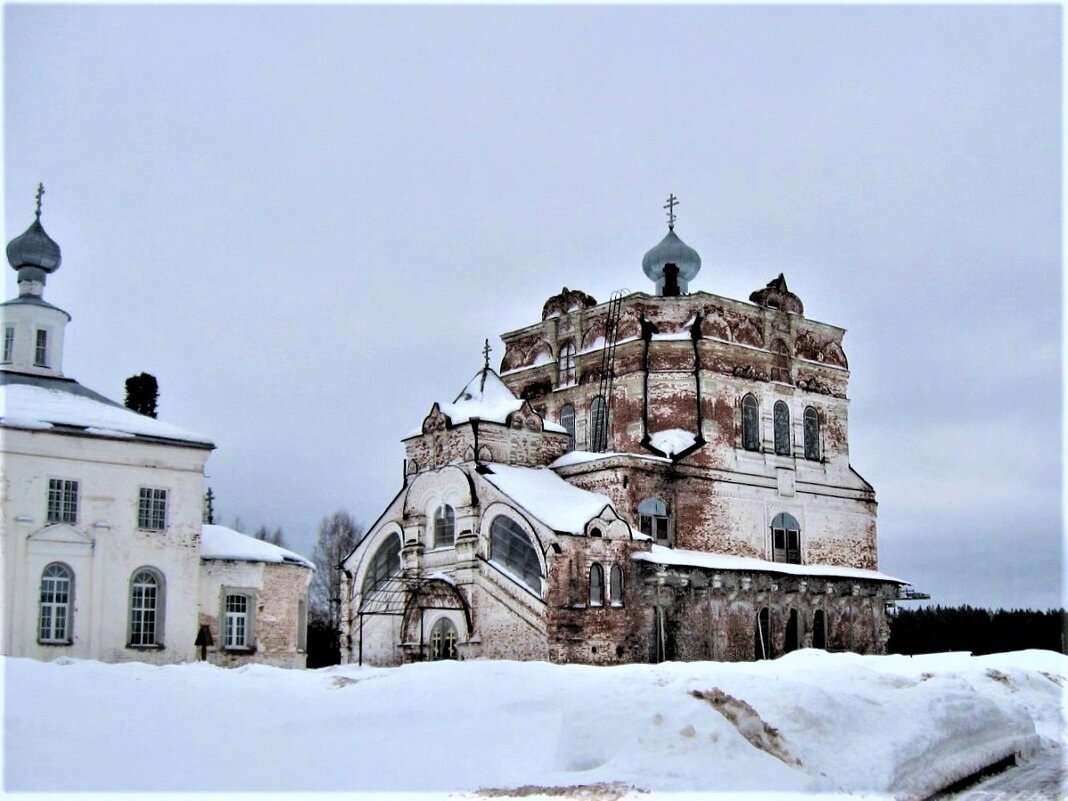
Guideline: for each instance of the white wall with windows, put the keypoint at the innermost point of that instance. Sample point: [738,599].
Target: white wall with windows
[131,557]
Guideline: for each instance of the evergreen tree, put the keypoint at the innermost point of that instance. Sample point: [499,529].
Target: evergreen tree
[142,394]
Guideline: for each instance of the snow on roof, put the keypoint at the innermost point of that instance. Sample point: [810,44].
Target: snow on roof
[485,398]
[559,505]
[582,457]
[674,440]
[26,405]
[716,561]
[220,542]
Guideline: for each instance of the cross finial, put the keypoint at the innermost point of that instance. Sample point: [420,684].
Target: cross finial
[672,202]
[485,355]
[40,192]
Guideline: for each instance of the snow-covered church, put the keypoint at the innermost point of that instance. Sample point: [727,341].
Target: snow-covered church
[103,550]
[661,476]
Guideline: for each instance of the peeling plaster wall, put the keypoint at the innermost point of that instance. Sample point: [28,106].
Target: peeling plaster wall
[276,591]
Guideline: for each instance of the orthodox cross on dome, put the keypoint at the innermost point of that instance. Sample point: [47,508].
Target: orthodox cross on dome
[486,350]
[40,192]
[672,202]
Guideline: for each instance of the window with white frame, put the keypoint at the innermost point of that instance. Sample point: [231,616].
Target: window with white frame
[444,526]
[40,351]
[57,593]
[62,501]
[146,608]
[237,621]
[152,509]
[443,638]
[9,343]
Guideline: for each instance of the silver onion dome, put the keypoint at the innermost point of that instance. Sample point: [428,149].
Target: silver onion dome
[671,250]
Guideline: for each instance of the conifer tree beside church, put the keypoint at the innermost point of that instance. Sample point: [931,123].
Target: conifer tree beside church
[142,394]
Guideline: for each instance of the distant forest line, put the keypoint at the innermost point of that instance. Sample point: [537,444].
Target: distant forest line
[981,631]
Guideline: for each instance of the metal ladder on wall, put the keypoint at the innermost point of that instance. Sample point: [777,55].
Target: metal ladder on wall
[608,359]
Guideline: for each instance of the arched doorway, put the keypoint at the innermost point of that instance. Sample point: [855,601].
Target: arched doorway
[791,632]
[819,629]
[762,635]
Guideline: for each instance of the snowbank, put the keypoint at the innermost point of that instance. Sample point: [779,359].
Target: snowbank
[809,722]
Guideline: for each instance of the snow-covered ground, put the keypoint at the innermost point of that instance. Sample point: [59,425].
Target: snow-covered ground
[809,722]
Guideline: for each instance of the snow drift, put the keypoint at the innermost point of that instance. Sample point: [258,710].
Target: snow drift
[808,722]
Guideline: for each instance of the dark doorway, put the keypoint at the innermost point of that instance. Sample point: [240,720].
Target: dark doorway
[819,630]
[791,632]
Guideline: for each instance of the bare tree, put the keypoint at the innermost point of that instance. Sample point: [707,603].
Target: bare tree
[275,537]
[338,535]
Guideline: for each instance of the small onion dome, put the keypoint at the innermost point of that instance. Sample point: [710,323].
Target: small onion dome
[671,250]
[35,249]
[776,295]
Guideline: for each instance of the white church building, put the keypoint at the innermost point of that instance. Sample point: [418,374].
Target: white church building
[103,550]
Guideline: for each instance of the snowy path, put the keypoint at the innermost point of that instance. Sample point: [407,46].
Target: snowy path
[1045,776]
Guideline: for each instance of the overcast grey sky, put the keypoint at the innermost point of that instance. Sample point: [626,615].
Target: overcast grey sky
[305,220]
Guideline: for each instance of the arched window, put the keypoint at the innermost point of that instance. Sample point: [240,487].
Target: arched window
[565,366]
[443,639]
[750,424]
[384,564]
[510,547]
[615,586]
[57,592]
[598,425]
[819,629]
[567,420]
[596,585]
[785,539]
[653,520]
[812,434]
[444,526]
[146,608]
[782,429]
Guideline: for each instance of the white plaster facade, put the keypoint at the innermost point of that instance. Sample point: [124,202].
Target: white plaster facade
[101,513]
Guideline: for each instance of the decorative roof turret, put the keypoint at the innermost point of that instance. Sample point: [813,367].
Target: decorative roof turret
[672,264]
[776,295]
[34,254]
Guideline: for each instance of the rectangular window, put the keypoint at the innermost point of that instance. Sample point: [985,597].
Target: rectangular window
[62,501]
[236,628]
[152,509]
[40,354]
[9,343]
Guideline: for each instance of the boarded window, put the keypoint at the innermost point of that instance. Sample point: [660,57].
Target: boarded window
[598,425]
[782,429]
[785,539]
[812,434]
[596,585]
[567,420]
[615,586]
[750,424]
